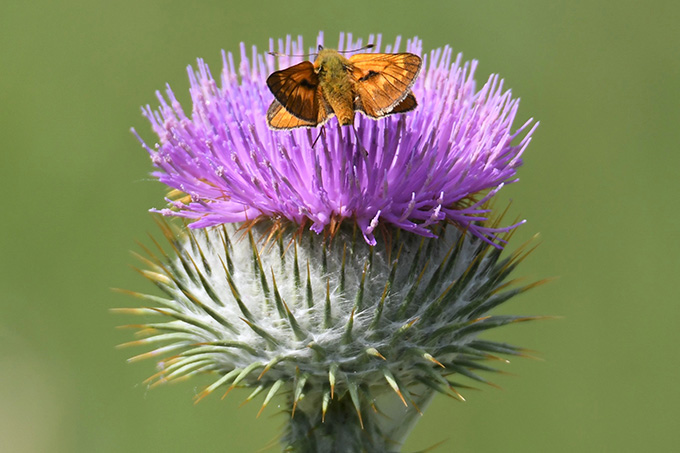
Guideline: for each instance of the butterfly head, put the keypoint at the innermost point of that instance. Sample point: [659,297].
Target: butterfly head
[329,63]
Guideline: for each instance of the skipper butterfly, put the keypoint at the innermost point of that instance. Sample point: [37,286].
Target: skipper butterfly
[375,84]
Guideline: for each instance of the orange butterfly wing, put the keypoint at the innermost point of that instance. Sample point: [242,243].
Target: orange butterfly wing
[296,90]
[383,82]
[409,103]
[280,118]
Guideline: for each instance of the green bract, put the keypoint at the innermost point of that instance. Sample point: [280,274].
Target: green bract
[332,323]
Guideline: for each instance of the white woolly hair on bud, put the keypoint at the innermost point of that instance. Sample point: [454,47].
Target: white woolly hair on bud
[337,323]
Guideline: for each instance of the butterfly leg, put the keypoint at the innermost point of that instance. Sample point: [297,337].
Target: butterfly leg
[356,135]
[321,132]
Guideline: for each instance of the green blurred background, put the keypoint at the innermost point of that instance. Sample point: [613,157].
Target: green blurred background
[599,184]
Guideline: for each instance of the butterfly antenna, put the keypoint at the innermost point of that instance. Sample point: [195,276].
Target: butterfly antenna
[279,54]
[367,46]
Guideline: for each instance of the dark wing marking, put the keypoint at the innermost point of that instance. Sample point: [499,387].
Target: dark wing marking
[383,81]
[295,88]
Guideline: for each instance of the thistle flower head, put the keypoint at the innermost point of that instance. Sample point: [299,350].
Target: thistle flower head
[441,162]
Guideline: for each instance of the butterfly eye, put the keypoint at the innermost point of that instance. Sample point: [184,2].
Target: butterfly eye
[320,47]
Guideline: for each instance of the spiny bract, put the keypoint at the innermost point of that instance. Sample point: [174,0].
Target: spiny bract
[276,310]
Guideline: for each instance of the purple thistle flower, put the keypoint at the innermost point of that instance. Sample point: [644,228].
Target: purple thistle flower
[441,162]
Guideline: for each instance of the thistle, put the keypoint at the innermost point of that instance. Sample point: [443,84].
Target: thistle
[351,278]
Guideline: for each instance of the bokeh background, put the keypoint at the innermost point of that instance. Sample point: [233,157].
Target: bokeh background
[599,184]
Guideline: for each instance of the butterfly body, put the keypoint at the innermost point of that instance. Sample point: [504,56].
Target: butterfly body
[309,94]
[337,88]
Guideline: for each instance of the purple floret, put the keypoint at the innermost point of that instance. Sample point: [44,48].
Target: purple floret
[440,162]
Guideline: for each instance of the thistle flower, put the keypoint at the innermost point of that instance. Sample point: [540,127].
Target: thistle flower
[357,334]
[419,169]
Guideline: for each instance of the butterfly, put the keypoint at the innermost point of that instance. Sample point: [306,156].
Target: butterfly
[375,84]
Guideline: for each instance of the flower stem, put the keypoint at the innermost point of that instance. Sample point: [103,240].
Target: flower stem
[381,428]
